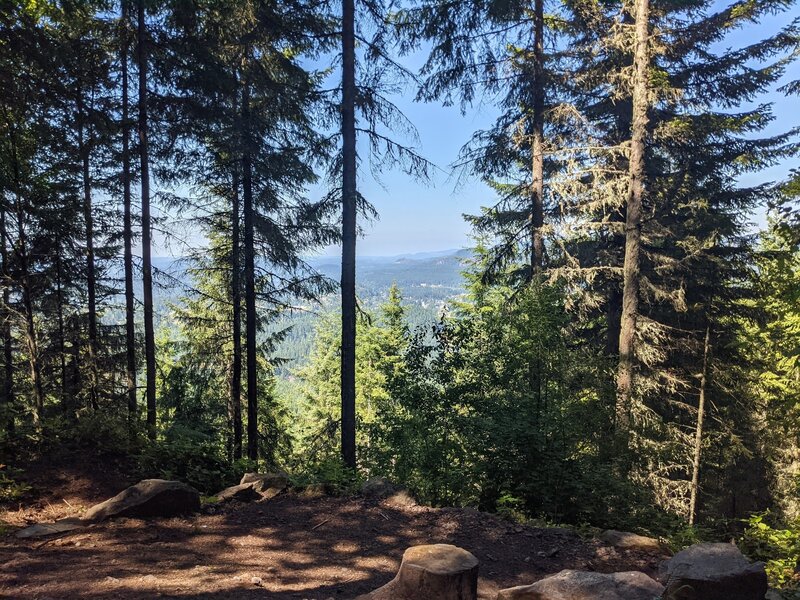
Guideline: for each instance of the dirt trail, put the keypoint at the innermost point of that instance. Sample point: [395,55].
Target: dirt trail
[289,547]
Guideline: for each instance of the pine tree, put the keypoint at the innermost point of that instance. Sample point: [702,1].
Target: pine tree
[127,219]
[251,111]
[8,343]
[362,99]
[349,199]
[380,345]
[487,48]
[142,59]
[633,211]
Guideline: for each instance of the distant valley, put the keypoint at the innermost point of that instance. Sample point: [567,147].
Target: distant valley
[428,280]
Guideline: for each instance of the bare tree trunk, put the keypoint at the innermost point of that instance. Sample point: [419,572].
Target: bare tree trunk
[236,298]
[91,284]
[250,283]
[147,266]
[127,224]
[61,344]
[613,316]
[8,350]
[30,328]
[633,221]
[349,197]
[537,149]
[76,364]
[698,435]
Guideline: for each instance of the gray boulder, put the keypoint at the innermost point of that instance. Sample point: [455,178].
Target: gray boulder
[378,487]
[148,498]
[261,482]
[714,572]
[244,492]
[587,585]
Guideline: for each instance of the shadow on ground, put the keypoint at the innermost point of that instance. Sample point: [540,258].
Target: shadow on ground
[286,548]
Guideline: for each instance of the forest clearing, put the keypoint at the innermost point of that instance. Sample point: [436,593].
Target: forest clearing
[290,546]
[400,299]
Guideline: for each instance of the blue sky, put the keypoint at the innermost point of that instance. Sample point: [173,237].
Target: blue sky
[420,217]
[417,217]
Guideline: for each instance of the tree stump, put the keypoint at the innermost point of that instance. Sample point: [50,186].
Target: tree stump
[433,572]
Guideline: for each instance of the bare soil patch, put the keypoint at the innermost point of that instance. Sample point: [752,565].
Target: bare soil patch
[288,547]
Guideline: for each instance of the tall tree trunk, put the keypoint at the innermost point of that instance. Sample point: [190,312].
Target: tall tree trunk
[698,434]
[147,267]
[127,225]
[27,303]
[537,185]
[8,350]
[537,149]
[75,383]
[250,283]
[236,298]
[349,198]
[61,343]
[91,291]
[633,220]
[613,316]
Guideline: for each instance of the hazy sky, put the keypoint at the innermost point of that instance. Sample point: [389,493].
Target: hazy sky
[416,217]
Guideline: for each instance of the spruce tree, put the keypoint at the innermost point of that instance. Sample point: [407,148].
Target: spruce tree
[253,141]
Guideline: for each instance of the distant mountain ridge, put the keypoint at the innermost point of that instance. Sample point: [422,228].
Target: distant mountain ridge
[427,280]
[415,273]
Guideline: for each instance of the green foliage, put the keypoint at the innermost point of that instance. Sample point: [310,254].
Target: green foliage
[770,341]
[190,457]
[777,546]
[507,402]
[10,489]
[494,408]
[330,472]
[682,536]
[380,344]
[105,430]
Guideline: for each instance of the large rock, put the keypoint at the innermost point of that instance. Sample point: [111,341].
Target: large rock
[433,572]
[148,498]
[244,492]
[255,486]
[378,487]
[714,572]
[625,540]
[587,585]
[261,482]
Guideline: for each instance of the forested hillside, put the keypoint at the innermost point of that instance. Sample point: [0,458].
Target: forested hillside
[618,348]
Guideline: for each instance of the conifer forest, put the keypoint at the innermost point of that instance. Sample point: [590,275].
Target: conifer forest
[616,346]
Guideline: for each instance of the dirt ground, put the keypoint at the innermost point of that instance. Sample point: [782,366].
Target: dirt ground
[289,547]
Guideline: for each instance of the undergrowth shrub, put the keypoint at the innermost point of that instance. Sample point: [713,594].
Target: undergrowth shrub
[330,471]
[778,545]
[190,457]
[11,489]
[107,431]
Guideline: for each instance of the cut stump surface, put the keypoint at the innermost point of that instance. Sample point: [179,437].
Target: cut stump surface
[432,572]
